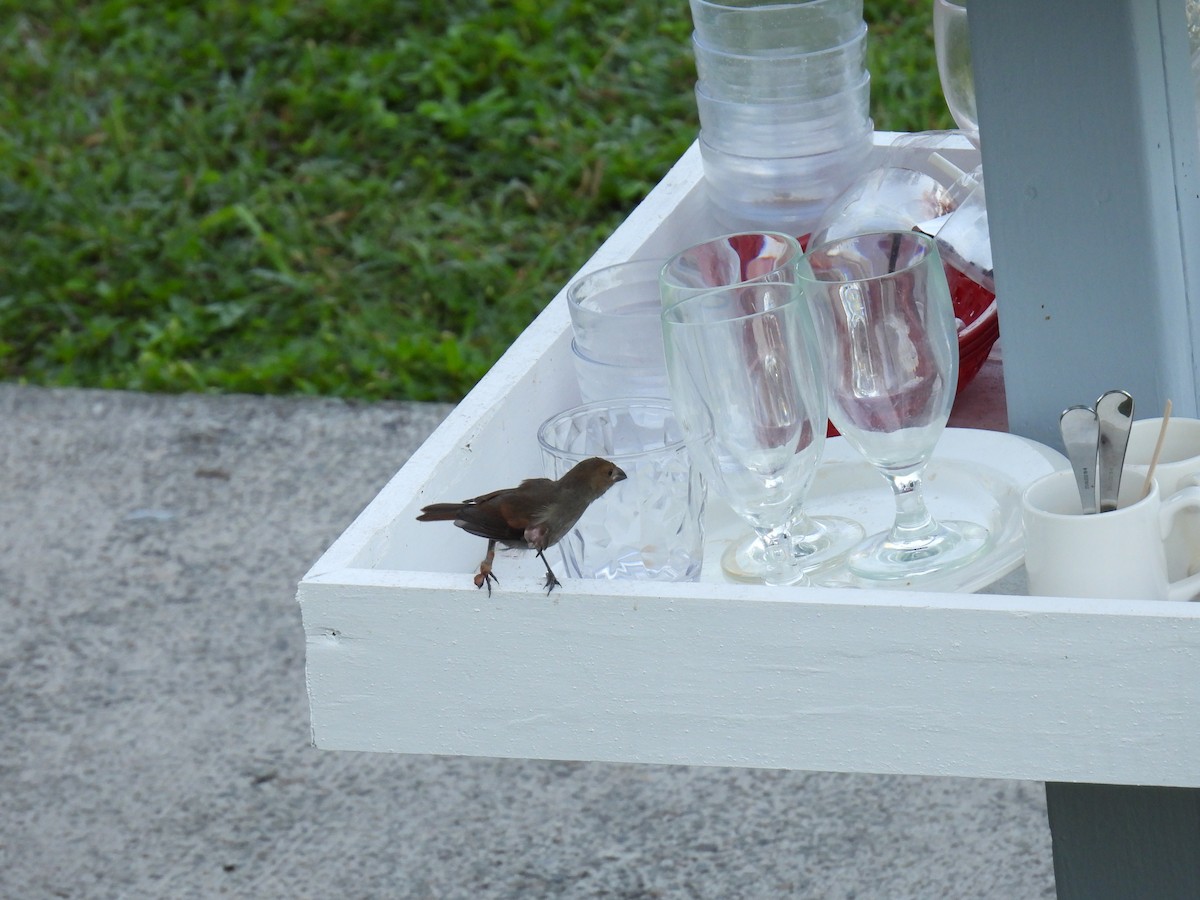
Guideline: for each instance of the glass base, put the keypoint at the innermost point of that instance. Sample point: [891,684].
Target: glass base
[880,558]
[745,560]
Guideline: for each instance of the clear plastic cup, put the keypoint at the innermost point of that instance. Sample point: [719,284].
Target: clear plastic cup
[608,380]
[797,128]
[615,313]
[783,193]
[949,156]
[890,198]
[754,26]
[787,77]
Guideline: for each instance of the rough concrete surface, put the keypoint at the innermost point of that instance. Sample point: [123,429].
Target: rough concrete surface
[154,737]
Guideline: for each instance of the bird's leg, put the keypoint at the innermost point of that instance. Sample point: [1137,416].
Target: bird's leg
[485,575]
[551,581]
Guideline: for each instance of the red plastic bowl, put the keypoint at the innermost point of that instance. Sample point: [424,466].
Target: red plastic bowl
[975,307]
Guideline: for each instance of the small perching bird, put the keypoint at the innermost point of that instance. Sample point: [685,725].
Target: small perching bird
[535,515]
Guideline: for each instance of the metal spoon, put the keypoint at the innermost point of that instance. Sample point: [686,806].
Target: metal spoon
[1114,412]
[1081,437]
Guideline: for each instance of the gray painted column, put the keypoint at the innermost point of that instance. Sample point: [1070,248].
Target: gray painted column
[1090,151]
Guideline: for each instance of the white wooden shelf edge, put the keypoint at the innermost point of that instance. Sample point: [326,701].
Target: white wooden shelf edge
[1099,691]
[405,656]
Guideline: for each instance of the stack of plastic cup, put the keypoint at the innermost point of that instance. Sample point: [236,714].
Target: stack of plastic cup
[617,347]
[784,100]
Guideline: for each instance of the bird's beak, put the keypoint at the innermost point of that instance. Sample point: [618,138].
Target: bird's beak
[618,475]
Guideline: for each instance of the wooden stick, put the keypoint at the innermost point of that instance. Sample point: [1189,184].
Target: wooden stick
[1162,434]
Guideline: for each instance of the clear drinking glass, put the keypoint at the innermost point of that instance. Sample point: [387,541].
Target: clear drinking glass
[883,315]
[743,366]
[743,259]
[649,527]
[728,261]
[952,44]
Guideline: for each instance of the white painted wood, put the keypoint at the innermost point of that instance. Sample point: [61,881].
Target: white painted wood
[982,686]
[405,656]
[1089,145]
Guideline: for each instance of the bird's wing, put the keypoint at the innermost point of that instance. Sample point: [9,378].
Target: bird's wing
[534,484]
[487,521]
[504,515]
[547,515]
[510,515]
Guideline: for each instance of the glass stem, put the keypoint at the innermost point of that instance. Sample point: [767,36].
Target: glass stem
[777,547]
[913,523]
[803,528]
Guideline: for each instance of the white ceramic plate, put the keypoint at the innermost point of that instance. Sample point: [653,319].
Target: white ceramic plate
[974,475]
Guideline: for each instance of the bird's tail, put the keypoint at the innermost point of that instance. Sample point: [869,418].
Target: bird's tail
[440,512]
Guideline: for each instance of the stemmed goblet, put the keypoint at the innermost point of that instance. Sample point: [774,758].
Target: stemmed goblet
[746,389]
[727,261]
[882,310]
[743,259]
[952,45]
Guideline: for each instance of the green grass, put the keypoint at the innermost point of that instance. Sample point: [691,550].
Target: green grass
[362,198]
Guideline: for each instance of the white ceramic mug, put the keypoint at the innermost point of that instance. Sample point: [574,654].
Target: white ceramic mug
[1118,554]
[1178,467]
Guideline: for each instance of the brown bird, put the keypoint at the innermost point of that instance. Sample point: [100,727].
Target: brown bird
[532,516]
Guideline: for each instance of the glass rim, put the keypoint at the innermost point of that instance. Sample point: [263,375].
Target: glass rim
[573,286]
[797,298]
[663,404]
[794,252]
[629,368]
[926,240]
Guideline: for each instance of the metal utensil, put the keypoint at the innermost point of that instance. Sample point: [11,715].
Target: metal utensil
[1114,412]
[1081,437]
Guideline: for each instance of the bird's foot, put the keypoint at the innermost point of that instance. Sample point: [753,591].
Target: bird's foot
[551,582]
[485,576]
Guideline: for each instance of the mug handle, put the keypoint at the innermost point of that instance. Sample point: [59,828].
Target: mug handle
[1194,562]
[1183,499]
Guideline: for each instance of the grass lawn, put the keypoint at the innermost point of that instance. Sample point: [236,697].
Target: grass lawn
[362,198]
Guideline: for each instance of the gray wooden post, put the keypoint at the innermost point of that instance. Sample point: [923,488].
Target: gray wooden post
[1123,841]
[1090,153]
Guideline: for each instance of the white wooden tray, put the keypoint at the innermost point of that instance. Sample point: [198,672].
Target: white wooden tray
[405,655]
